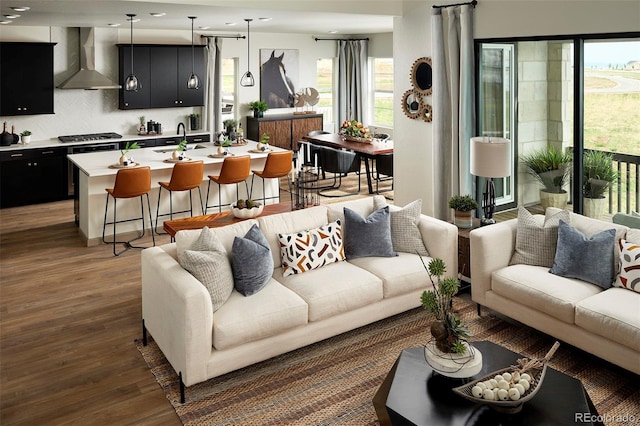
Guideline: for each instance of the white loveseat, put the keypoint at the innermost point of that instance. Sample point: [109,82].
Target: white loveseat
[289,312]
[603,322]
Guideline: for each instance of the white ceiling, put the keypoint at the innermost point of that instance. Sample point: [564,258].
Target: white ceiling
[317,17]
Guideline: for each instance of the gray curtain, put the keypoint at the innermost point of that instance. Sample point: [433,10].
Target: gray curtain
[352,80]
[453,102]
[212,114]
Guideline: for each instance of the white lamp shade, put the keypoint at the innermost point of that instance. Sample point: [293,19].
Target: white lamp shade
[490,157]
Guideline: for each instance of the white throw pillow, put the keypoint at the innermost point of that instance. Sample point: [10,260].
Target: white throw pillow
[535,242]
[629,273]
[405,234]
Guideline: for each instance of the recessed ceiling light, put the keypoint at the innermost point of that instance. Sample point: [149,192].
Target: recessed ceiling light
[20,8]
[332,32]
[157,14]
[134,20]
[230,24]
[114,25]
[204,28]
[5,22]
[264,19]
[11,16]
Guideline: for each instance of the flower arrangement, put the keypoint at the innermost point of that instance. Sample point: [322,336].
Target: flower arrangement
[355,128]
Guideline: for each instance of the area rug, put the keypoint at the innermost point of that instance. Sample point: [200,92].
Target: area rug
[333,382]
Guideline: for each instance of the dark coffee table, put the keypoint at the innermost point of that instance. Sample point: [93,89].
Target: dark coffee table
[413,394]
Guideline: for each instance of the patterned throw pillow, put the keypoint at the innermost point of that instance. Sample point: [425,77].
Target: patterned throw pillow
[587,259]
[312,249]
[535,243]
[629,274]
[207,261]
[405,234]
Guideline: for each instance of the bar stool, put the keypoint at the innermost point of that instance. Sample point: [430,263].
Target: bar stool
[278,164]
[234,170]
[130,183]
[184,177]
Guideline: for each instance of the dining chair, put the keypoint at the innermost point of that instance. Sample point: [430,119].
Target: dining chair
[339,163]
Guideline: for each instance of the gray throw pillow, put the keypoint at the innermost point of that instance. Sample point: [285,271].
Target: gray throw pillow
[535,243]
[587,259]
[252,262]
[405,234]
[368,237]
[207,261]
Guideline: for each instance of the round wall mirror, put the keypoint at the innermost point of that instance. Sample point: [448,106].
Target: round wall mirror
[421,75]
[412,104]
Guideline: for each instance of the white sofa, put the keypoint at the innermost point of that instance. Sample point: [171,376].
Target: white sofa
[289,312]
[605,323]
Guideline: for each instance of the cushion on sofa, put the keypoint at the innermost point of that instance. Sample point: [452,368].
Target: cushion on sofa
[363,206]
[588,259]
[629,274]
[535,287]
[207,261]
[312,249]
[269,312]
[370,236]
[612,314]
[252,262]
[405,234]
[400,275]
[633,235]
[289,223]
[225,234]
[535,242]
[333,289]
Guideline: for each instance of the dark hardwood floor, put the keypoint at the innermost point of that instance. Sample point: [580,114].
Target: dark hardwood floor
[69,315]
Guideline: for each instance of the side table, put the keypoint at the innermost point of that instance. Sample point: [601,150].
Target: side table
[464,252]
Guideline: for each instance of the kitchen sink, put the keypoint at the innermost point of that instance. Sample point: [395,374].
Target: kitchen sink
[189,148]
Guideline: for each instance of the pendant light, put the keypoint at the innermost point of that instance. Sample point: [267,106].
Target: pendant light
[194,81]
[131,84]
[247,77]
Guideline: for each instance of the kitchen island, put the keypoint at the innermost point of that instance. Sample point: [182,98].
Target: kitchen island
[96,172]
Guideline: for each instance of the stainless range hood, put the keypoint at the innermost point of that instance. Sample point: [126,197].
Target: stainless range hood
[88,78]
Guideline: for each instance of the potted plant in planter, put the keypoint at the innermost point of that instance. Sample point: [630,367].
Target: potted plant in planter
[263,145]
[194,121]
[258,108]
[26,136]
[598,175]
[230,126]
[552,168]
[448,352]
[178,153]
[463,206]
[124,159]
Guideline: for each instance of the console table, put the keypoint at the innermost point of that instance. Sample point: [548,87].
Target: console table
[284,130]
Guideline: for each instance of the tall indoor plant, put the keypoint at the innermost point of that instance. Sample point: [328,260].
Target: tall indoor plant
[552,168]
[598,175]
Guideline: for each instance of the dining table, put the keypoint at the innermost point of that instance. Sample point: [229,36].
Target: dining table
[366,150]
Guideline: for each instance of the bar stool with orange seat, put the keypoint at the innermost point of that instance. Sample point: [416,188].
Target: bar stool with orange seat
[184,177]
[278,164]
[130,183]
[234,170]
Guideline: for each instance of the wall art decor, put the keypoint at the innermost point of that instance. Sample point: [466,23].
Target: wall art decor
[279,71]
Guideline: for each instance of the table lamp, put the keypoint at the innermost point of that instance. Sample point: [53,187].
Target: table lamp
[490,158]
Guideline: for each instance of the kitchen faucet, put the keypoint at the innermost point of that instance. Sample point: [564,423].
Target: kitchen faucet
[184,131]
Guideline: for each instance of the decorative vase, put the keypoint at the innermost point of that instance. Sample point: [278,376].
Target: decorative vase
[551,199]
[123,160]
[595,207]
[258,114]
[463,219]
[26,139]
[463,365]
[194,123]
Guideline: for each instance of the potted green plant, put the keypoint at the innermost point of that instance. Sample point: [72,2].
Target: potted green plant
[141,128]
[26,136]
[552,168]
[258,108]
[178,153]
[263,145]
[230,126]
[598,175]
[463,207]
[194,121]
[124,159]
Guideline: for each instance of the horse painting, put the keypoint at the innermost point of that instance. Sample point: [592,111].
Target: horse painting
[277,88]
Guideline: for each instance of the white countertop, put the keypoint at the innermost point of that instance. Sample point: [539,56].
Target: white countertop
[55,142]
[97,163]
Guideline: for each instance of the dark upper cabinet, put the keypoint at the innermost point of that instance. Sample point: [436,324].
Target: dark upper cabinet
[26,78]
[140,98]
[169,68]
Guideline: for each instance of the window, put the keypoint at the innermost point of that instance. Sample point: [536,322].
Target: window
[382,92]
[324,78]
[229,72]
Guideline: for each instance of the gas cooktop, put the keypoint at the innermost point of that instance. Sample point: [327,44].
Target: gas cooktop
[89,137]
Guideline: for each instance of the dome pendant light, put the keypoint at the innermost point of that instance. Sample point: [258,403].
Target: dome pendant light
[247,77]
[131,84]
[194,81]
